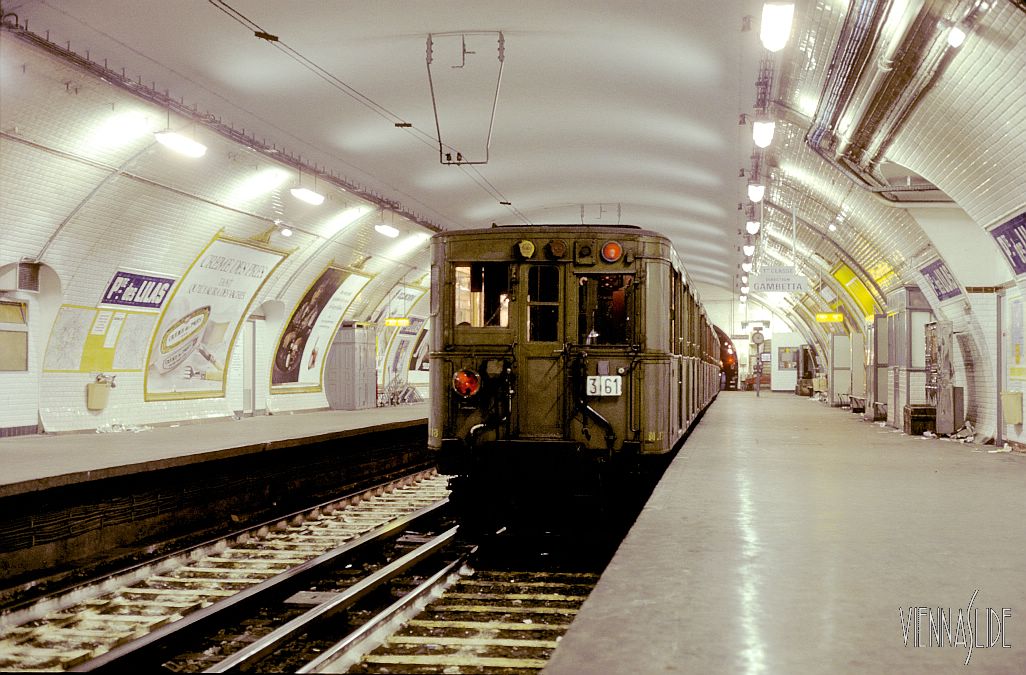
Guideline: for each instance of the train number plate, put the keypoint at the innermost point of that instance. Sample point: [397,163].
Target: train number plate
[605,385]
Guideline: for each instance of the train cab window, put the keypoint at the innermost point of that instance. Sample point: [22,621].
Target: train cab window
[482,295]
[543,300]
[602,308]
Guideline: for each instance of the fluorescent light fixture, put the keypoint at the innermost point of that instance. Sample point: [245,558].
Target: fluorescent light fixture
[776,25]
[307,195]
[756,192]
[180,144]
[752,227]
[956,36]
[762,132]
[286,231]
[748,249]
[746,266]
[387,230]
[744,290]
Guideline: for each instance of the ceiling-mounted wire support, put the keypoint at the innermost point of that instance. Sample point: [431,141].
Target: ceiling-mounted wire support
[448,154]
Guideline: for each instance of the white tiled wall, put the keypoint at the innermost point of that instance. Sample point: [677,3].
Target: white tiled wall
[968,135]
[87,202]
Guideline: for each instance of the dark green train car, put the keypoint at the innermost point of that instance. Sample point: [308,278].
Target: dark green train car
[565,359]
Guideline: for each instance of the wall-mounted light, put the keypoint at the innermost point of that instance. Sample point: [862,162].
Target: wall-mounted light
[832,227]
[743,299]
[752,227]
[387,230]
[307,195]
[756,192]
[283,229]
[180,144]
[762,132]
[744,278]
[748,249]
[746,266]
[744,290]
[776,25]
[956,36]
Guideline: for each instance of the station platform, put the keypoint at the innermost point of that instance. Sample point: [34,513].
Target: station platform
[73,504]
[39,462]
[791,537]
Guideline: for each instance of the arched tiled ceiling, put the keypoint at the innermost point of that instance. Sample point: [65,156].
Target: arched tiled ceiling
[943,127]
[607,112]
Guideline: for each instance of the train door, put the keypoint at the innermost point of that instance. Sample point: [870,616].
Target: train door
[541,387]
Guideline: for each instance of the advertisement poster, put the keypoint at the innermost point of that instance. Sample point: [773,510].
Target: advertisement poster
[400,350]
[303,346]
[401,301]
[1016,358]
[196,331]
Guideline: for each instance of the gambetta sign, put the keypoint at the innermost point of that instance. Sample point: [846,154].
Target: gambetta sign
[779,280]
[136,289]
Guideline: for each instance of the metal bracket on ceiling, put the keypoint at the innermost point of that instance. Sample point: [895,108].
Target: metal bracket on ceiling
[447,153]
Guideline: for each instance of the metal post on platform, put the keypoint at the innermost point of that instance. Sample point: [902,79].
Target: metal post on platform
[757,339]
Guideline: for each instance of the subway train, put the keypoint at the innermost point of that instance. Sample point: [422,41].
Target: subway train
[728,359]
[567,365]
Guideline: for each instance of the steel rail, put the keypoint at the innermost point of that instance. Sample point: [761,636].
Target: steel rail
[247,657]
[357,643]
[135,652]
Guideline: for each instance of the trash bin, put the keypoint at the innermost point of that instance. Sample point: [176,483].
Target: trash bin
[920,418]
[97,395]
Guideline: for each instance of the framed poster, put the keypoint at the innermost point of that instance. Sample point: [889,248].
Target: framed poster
[197,328]
[401,301]
[299,358]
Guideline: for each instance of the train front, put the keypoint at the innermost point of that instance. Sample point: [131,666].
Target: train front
[550,368]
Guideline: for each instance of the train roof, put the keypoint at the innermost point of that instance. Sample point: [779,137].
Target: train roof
[561,227]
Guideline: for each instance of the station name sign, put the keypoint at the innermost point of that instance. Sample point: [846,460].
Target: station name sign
[138,290]
[941,280]
[397,321]
[829,317]
[779,280]
[1011,239]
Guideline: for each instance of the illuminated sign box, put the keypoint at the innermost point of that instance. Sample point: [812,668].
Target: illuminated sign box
[397,321]
[829,317]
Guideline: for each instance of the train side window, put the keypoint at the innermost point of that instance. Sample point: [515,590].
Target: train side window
[543,299]
[603,308]
[482,295]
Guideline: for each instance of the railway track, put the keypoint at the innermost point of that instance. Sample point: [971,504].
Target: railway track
[486,621]
[118,620]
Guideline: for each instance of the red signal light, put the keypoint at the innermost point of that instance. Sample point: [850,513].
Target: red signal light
[466,383]
[612,251]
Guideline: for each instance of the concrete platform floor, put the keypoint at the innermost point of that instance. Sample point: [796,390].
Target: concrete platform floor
[789,537]
[30,463]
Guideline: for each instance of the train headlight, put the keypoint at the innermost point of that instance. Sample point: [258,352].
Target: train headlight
[466,383]
[612,251]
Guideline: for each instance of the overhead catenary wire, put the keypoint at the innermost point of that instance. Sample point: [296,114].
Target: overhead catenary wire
[382,111]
